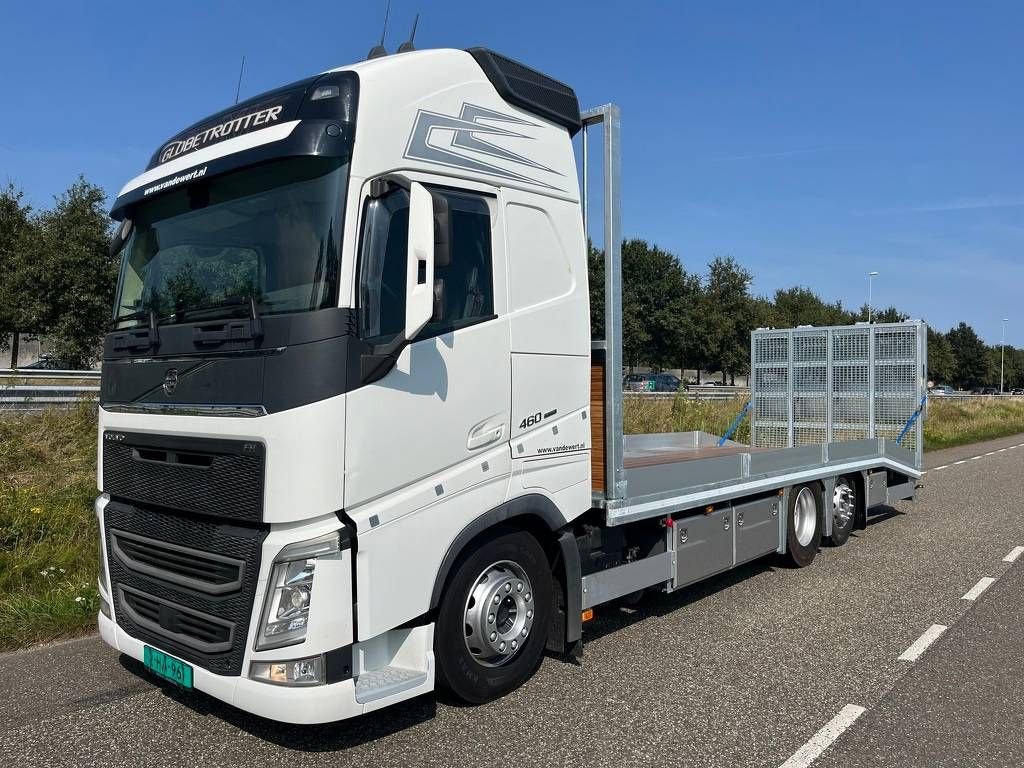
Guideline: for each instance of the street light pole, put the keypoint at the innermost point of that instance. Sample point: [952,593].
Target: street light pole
[1002,355]
[871,277]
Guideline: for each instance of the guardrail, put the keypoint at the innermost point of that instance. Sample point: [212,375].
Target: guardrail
[29,398]
[694,393]
[40,373]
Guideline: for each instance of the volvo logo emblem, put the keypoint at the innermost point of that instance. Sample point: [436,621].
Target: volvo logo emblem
[170,381]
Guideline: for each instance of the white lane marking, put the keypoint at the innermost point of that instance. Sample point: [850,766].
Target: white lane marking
[983,583]
[975,458]
[962,461]
[1000,450]
[990,453]
[920,645]
[1014,554]
[936,469]
[823,739]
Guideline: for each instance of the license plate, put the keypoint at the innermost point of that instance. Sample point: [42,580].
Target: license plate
[167,667]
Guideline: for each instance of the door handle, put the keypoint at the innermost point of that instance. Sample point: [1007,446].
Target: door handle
[484,434]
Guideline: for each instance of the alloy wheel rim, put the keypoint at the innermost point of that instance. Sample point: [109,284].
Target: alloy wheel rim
[805,516]
[499,613]
[843,504]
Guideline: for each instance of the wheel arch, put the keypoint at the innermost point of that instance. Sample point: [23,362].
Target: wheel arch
[537,515]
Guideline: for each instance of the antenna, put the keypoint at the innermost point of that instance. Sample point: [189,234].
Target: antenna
[379,50]
[407,45]
[238,88]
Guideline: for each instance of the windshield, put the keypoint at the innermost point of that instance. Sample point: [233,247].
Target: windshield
[270,233]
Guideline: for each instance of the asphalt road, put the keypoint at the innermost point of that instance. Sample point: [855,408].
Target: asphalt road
[743,670]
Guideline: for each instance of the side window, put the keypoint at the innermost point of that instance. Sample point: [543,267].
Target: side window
[464,286]
[466,283]
[385,240]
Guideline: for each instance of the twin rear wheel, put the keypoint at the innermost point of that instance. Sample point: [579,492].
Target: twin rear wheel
[493,619]
[805,521]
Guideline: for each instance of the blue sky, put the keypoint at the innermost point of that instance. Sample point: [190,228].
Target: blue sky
[812,141]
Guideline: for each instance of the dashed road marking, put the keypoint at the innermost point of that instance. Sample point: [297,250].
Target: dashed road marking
[975,458]
[920,645]
[824,738]
[936,469]
[974,592]
[962,461]
[1014,554]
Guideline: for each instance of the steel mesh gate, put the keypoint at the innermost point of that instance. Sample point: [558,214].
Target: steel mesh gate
[818,385]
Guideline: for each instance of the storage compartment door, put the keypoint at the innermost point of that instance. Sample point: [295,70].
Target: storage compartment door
[757,527]
[703,546]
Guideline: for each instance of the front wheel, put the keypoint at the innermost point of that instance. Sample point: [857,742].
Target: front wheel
[493,619]
[803,525]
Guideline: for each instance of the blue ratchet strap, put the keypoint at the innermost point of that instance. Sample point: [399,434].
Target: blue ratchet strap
[912,419]
[735,424]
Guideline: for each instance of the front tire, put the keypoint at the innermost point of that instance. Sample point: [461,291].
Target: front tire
[493,619]
[803,525]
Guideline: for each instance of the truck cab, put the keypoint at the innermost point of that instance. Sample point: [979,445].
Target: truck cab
[350,361]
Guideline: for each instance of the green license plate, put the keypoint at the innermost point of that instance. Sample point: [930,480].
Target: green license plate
[167,667]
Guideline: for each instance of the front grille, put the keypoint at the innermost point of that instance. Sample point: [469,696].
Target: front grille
[187,567]
[156,603]
[223,478]
[199,631]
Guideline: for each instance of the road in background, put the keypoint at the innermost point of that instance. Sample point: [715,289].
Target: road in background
[741,670]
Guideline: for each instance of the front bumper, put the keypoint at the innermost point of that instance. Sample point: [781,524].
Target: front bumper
[302,705]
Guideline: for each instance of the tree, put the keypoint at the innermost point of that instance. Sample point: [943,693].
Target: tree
[75,273]
[887,315]
[730,315]
[801,306]
[17,297]
[973,362]
[941,360]
[658,303]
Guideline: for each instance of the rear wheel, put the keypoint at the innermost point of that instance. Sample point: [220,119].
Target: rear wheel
[803,525]
[493,619]
[844,511]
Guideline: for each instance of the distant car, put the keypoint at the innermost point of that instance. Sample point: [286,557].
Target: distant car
[1017,391]
[47,363]
[985,391]
[651,382]
[941,390]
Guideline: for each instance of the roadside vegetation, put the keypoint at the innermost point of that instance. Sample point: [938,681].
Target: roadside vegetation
[47,527]
[950,422]
[959,422]
[47,485]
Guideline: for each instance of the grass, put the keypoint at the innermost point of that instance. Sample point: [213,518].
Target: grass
[948,423]
[959,422]
[47,527]
[47,485]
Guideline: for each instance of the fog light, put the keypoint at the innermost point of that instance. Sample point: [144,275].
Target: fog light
[308,671]
[105,608]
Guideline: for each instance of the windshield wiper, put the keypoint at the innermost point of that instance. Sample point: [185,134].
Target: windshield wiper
[136,337]
[227,331]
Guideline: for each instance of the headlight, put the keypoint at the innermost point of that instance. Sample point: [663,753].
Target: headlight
[290,591]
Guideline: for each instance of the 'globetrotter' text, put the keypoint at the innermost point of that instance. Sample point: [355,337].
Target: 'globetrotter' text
[231,127]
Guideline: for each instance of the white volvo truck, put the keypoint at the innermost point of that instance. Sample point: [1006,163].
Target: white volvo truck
[355,438]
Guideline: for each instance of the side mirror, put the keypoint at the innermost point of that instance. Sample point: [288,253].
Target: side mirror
[419,284]
[120,238]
